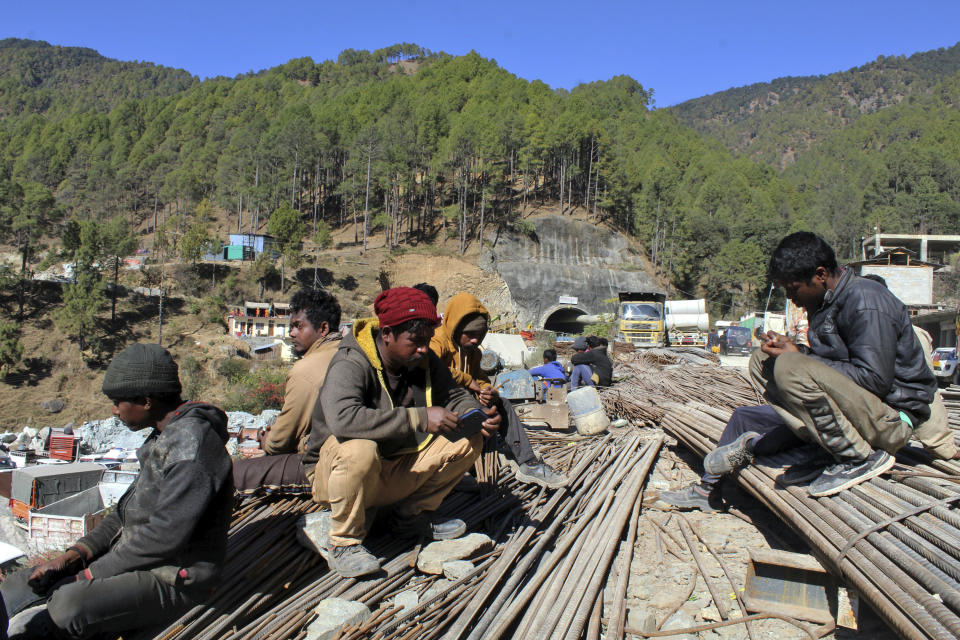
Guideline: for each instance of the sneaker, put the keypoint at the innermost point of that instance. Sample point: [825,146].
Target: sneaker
[350,562]
[428,525]
[691,497]
[801,473]
[540,473]
[843,475]
[733,456]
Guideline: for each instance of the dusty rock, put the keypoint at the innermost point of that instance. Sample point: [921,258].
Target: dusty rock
[710,614]
[642,618]
[680,620]
[313,530]
[99,436]
[56,405]
[333,614]
[406,599]
[435,554]
[7,438]
[456,569]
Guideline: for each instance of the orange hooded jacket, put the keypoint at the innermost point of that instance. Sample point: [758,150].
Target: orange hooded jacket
[464,365]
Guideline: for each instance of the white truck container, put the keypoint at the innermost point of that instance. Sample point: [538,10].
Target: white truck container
[688,322]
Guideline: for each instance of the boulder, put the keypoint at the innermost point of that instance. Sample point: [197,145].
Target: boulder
[54,405]
[433,556]
[333,614]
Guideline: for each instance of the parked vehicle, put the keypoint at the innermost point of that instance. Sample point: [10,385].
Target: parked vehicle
[945,366]
[736,341]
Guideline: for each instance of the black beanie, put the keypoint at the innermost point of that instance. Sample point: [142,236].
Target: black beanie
[141,370]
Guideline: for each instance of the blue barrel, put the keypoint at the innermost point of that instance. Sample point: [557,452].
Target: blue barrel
[587,411]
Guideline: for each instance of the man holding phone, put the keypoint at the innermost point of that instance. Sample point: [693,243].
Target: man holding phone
[387,430]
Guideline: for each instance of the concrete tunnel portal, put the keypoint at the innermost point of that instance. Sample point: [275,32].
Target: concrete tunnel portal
[564,319]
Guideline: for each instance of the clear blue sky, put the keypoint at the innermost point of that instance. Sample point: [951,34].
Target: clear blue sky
[680,49]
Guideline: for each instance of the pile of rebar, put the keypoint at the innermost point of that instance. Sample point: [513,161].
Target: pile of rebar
[649,382]
[951,399]
[272,584]
[895,539]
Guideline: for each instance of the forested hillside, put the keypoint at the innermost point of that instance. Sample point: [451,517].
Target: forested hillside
[775,122]
[409,144]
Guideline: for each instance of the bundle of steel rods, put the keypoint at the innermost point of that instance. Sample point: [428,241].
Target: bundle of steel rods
[895,539]
[648,384]
[272,584]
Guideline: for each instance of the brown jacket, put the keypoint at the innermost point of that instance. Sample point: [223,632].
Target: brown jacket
[355,403]
[289,432]
[464,365]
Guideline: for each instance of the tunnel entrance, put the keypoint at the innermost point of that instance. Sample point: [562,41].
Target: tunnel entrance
[564,320]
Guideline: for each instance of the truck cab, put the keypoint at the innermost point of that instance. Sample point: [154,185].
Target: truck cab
[640,318]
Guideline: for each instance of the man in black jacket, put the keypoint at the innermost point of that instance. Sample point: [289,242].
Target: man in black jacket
[160,552]
[860,387]
[591,352]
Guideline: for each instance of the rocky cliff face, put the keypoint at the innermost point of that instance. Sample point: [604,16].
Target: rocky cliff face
[565,259]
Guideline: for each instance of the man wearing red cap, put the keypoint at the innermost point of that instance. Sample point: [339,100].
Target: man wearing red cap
[385,432]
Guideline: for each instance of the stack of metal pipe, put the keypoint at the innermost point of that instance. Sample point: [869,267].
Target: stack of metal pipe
[272,585]
[895,539]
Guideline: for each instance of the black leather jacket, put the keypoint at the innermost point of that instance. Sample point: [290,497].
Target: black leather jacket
[864,332]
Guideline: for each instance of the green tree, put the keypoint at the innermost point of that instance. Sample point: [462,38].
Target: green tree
[194,243]
[11,349]
[287,227]
[77,317]
[119,241]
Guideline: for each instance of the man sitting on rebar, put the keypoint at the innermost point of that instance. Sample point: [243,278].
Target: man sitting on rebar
[387,430]
[314,324]
[858,390]
[457,343]
[160,552]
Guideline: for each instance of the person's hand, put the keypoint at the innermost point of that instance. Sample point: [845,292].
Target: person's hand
[492,424]
[440,420]
[46,574]
[775,344]
[488,395]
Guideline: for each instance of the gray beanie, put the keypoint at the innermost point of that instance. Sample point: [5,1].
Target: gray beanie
[141,370]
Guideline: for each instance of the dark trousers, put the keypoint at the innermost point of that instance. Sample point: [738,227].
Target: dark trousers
[775,435]
[281,474]
[514,434]
[129,601]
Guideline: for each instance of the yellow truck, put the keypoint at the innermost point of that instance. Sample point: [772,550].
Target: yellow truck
[640,318]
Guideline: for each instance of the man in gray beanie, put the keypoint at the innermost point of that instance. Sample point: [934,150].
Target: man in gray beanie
[160,552]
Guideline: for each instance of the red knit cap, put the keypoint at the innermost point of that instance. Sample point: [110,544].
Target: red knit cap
[401,304]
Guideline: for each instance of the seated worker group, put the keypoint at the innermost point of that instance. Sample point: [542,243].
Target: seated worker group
[591,364]
[160,552]
[844,403]
[457,343]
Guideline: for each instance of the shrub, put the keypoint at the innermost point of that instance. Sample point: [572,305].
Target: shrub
[233,370]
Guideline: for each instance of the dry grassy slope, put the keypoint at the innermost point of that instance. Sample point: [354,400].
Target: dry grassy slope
[354,276]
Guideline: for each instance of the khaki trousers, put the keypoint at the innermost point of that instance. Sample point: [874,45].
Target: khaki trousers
[350,476]
[822,405]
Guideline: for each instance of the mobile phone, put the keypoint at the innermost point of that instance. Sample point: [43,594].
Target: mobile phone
[470,423]
[761,335]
